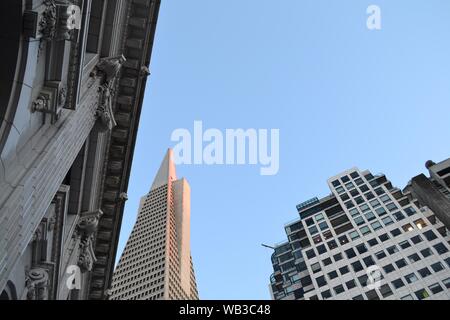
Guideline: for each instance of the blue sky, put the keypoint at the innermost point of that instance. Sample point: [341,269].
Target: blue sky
[341,95]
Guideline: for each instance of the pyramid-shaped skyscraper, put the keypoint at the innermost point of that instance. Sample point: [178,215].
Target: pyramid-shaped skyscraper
[156,263]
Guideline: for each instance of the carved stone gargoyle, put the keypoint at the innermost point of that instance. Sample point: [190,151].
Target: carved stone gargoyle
[109,69]
[87,226]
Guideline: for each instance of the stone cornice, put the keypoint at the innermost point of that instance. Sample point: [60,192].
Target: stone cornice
[137,48]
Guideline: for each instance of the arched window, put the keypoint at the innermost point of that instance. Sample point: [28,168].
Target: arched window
[9,293]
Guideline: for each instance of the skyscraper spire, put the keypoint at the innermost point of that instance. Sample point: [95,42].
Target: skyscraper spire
[166,172]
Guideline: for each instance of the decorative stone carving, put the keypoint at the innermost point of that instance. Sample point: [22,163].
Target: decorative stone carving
[87,226]
[144,72]
[109,69]
[123,196]
[37,284]
[47,23]
[86,257]
[51,100]
[52,20]
[88,223]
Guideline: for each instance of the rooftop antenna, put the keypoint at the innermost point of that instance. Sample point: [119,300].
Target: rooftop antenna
[267,246]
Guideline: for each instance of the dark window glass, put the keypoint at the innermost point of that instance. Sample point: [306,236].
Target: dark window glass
[344,270]
[437,267]
[425,272]
[338,289]
[321,249]
[372,242]
[357,266]
[426,252]
[372,295]
[332,244]
[440,248]
[363,280]
[385,291]
[380,255]
[326,294]
[310,254]
[389,268]
[396,232]
[430,235]
[414,258]
[350,284]
[358,297]
[398,283]
[327,261]
[337,257]
[417,239]
[384,237]
[309,222]
[435,288]
[321,281]
[361,248]
[364,188]
[350,253]
[404,244]
[392,249]
[306,281]
[400,263]
[368,261]
[354,175]
[332,275]
[398,216]
[335,183]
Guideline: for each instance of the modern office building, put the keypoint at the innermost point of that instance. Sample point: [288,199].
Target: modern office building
[366,240]
[433,191]
[72,81]
[156,263]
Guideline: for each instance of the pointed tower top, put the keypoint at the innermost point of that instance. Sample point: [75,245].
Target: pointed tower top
[166,171]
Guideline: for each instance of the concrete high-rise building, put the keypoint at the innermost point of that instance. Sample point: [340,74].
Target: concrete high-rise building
[433,191]
[366,240]
[156,262]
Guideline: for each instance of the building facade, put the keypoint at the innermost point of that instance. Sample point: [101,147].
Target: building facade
[156,263]
[73,76]
[433,191]
[367,240]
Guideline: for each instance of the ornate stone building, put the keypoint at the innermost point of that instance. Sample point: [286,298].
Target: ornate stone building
[73,75]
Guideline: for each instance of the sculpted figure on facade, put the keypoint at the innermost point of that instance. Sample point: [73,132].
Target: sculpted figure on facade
[109,69]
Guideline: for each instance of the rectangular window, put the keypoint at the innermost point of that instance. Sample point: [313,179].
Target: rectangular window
[387,221]
[422,294]
[332,275]
[413,258]
[430,235]
[410,278]
[437,267]
[376,225]
[350,284]
[388,268]
[435,288]
[339,289]
[398,216]
[404,244]
[365,230]
[398,283]
[416,239]
[440,248]
[385,291]
[357,266]
[392,249]
[380,255]
[344,270]
[369,216]
[400,263]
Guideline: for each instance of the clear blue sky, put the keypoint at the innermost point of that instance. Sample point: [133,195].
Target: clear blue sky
[341,95]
